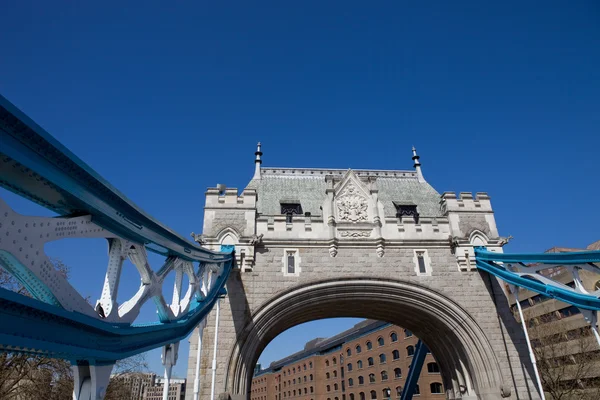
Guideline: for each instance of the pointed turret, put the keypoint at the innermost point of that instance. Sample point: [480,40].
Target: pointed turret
[257,162]
[417,165]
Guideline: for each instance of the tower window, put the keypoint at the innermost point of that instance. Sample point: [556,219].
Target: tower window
[290,209]
[291,263]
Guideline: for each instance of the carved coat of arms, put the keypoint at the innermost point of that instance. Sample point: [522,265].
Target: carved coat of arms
[352,206]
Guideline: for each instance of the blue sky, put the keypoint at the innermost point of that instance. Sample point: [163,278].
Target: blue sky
[165,99]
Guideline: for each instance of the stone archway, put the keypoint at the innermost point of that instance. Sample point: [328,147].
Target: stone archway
[470,369]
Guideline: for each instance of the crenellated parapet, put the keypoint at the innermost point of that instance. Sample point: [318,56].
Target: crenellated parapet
[472,224]
[230,219]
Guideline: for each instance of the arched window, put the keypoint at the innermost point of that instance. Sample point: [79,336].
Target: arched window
[283,373]
[289,393]
[382,358]
[336,398]
[407,333]
[310,365]
[417,389]
[304,378]
[373,395]
[358,349]
[395,354]
[327,375]
[387,393]
[384,375]
[328,388]
[294,392]
[284,383]
[397,373]
[433,368]
[335,373]
[289,383]
[351,396]
[304,367]
[436,387]
[371,378]
[312,389]
[334,361]
[410,350]
[369,345]
[361,396]
[310,377]
[294,381]
[380,341]
[349,367]
[350,382]
[327,363]
[289,371]
[394,337]
[305,391]
[348,352]
[335,386]
[361,380]
[294,370]
[284,394]
[370,361]
[398,391]
[359,364]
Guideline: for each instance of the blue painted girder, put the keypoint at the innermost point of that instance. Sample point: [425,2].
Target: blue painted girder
[414,372]
[31,326]
[489,261]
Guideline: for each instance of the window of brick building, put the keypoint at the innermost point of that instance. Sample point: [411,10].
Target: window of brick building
[380,341]
[384,375]
[382,358]
[334,361]
[371,378]
[369,345]
[328,388]
[433,368]
[335,374]
[361,380]
[359,364]
[373,395]
[395,354]
[436,388]
[407,333]
[335,386]
[397,373]
[350,382]
[394,337]
[370,361]
[358,349]
[348,352]
[349,367]
[410,351]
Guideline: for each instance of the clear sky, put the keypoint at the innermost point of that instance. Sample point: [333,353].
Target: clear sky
[165,99]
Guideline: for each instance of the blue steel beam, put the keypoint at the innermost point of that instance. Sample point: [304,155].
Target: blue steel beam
[36,166]
[414,372]
[31,326]
[531,280]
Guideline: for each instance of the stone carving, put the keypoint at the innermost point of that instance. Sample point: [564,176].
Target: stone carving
[352,206]
[256,239]
[198,238]
[333,251]
[380,252]
[355,234]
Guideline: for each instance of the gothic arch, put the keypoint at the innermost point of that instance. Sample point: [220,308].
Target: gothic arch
[469,366]
[228,236]
[478,238]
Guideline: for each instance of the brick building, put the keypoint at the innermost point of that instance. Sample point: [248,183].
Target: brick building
[367,362]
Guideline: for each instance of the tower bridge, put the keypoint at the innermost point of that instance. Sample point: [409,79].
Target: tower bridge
[295,245]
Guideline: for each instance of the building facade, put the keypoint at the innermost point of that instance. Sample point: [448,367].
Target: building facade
[149,386]
[374,244]
[367,362]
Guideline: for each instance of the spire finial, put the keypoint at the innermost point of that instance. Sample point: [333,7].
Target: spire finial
[257,161]
[417,165]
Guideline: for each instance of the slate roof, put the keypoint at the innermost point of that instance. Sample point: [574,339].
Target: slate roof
[308,186]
